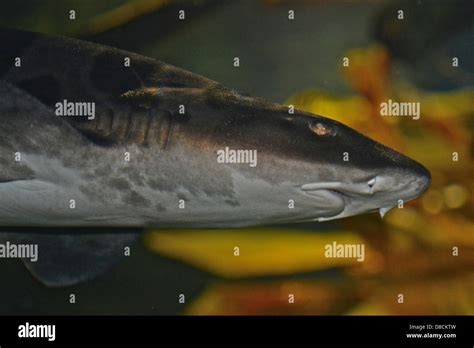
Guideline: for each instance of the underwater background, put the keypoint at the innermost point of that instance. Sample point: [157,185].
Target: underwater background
[424,250]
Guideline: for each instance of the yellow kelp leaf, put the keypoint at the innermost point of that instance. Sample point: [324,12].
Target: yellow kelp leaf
[417,261]
[122,14]
[436,296]
[458,104]
[276,297]
[434,151]
[449,229]
[350,110]
[261,251]
[368,71]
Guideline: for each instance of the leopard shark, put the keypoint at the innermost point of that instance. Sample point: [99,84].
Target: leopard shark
[143,150]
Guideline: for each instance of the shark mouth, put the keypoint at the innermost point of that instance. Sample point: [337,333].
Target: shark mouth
[336,201]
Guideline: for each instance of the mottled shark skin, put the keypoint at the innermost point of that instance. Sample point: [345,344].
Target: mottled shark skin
[173,156]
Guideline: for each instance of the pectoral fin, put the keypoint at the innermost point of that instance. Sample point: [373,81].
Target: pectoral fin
[70,258]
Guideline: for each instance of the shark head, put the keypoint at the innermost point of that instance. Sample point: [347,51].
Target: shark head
[327,169]
[370,177]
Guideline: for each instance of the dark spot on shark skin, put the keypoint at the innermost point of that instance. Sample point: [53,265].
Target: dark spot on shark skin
[161,185]
[88,176]
[134,198]
[91,174]
[160,208]
[232,203]
[91,193]
[152,183]
[182,196]
[119,183]
[103,171]
[134,176]
[137,179]
[68,162]
[224,193]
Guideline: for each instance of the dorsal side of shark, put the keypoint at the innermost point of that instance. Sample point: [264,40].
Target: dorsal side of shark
[139,157]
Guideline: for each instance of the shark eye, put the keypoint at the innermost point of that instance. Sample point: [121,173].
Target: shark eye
[321,129]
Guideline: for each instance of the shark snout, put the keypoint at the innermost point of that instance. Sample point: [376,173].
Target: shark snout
[402,185]
[382,190]
[419,179]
